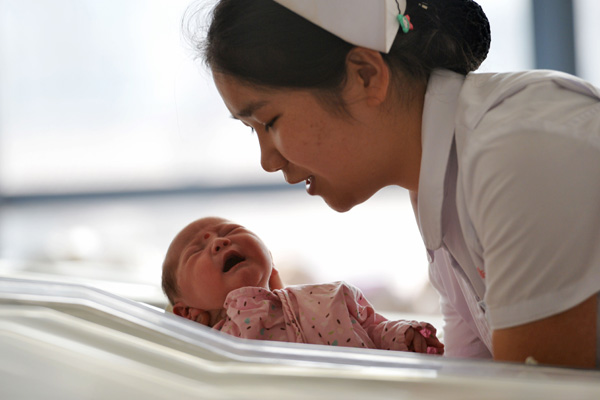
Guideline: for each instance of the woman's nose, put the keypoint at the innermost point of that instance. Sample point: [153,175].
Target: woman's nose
[270,158]
[272,162]
[219,244]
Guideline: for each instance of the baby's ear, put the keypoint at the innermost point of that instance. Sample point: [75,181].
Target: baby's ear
[191,313]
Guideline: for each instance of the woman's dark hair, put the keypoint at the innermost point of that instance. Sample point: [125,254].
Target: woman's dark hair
[263,43]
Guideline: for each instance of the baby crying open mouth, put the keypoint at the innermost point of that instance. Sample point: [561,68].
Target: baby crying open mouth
[231,261]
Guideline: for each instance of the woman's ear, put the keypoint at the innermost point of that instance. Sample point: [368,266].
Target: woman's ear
[191,313]
[368,75]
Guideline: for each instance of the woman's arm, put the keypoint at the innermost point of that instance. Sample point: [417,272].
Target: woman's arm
[568,338]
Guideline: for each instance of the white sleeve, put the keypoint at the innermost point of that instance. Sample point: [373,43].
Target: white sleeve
[461,337]
[534,200]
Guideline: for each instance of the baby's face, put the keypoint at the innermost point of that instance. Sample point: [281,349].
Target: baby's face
[216,257]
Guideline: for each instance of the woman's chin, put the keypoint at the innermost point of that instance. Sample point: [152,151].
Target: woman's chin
[342,205]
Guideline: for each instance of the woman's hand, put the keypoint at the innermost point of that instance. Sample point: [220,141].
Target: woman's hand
[275,281]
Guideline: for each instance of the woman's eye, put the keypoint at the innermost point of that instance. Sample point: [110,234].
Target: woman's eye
[269,124]
[251,128]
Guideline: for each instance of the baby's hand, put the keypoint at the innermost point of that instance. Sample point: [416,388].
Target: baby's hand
[415,341]
[422,340]
[275,280]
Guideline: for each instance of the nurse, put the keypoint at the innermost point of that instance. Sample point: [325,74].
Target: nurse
[350,96]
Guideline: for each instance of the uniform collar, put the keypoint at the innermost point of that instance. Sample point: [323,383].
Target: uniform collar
[441,102]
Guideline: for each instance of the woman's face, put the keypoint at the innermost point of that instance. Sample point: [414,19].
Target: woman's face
[336,156]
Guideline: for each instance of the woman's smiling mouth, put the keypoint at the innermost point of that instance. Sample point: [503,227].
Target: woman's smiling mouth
[309,185]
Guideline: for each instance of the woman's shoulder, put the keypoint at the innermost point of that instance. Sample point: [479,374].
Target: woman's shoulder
[506,82]
[512,92]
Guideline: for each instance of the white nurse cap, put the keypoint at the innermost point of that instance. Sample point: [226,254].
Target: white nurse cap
[367,23]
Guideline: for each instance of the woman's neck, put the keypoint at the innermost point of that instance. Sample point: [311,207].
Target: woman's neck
[402,122]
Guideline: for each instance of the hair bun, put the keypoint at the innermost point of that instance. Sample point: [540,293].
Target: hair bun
[466,21]
[477,33]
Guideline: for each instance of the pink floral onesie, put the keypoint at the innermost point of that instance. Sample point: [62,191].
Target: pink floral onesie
[335,314]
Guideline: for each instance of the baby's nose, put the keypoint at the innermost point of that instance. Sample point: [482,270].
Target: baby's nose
[219,244]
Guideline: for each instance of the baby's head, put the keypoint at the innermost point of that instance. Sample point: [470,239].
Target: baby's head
[208,259]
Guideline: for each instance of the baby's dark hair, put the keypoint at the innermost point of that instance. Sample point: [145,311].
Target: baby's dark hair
[263,43]
[169,276]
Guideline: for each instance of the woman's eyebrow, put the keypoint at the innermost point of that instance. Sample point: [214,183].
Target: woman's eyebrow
[250,109]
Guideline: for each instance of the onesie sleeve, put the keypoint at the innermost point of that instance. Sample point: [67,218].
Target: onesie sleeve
[392,335]
[253,313]
[386,334]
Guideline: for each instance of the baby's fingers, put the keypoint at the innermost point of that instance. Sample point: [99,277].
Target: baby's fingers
[434,345]
[420,344]
[434,342]
[415,341]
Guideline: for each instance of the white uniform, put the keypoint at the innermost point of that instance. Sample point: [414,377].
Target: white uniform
[509,199]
